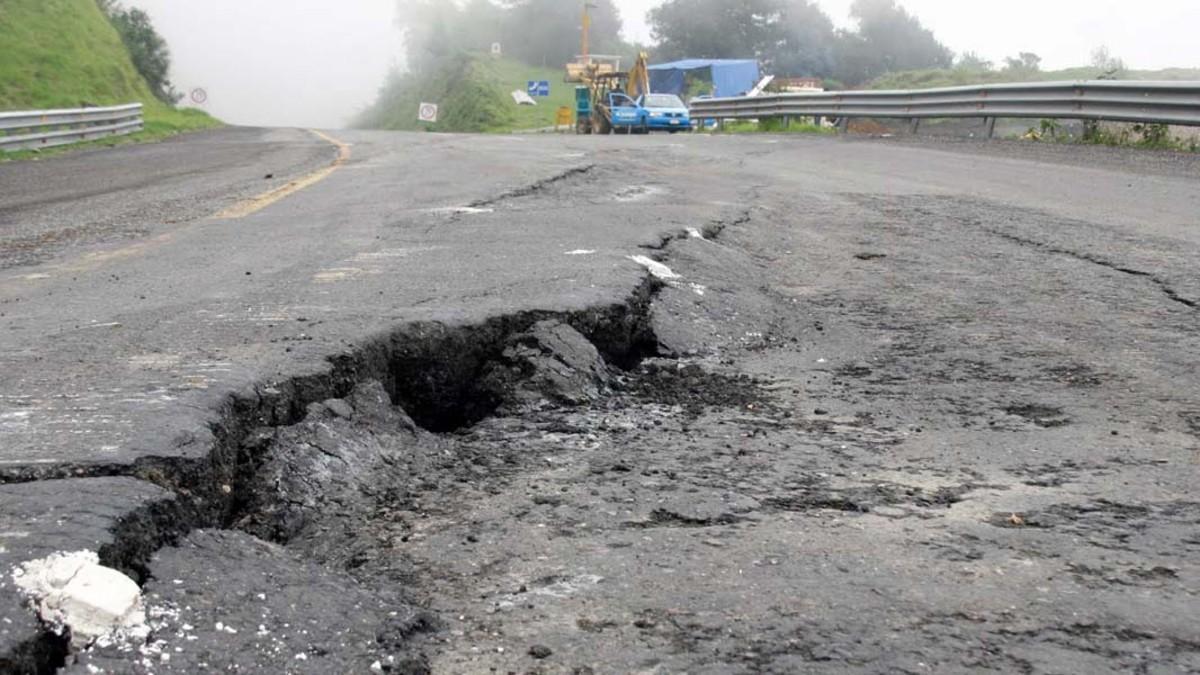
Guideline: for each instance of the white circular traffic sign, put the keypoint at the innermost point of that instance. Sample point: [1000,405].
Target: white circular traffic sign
[428,112]
[199,96]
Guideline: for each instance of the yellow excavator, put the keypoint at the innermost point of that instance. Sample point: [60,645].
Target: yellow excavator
[606,100]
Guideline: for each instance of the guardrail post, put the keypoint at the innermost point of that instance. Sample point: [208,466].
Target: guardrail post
[914,125]
[991,127]
[844,125]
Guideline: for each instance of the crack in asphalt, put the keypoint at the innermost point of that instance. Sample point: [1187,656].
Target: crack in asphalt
[1169,291]
[533,188]
[709,232]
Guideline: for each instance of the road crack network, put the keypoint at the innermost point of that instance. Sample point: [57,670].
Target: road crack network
[1167,289]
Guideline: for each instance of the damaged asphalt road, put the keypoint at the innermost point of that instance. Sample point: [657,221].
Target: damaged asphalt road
[734,405]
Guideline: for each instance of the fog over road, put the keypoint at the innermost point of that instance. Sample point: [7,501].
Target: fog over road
[602,404]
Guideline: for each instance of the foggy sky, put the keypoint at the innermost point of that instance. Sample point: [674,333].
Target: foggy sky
[308,63]
[317,62]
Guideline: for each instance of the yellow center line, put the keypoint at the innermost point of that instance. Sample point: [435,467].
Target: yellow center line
[240,210]
[255,204]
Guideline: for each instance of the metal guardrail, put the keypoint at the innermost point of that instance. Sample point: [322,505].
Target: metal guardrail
[27,130]
[1146,102]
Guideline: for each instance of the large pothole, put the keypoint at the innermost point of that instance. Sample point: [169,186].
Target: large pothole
[296,450]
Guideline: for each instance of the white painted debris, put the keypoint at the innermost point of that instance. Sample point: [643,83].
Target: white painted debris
[522,98]
[635,193]
[13,421]
[694,233]
[73,590]
[581,251]
[656,268]
[565,588]
[462,210]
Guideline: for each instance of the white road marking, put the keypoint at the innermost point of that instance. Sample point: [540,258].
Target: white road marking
[580,251]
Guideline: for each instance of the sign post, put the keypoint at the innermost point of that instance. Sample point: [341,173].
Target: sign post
[538,88]
[428,112]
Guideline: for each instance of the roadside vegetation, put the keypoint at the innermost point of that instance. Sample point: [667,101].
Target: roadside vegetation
[772,126]
[1147,136]
[67,54]
[146,48]
[450,63]
[961,77]
[474,94]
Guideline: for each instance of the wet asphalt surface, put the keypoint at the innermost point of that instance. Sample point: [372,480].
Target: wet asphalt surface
[894,408]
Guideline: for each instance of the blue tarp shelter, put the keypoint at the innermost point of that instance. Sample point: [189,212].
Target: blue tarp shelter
[731,77]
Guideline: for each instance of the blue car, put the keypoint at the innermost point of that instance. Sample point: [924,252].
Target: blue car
[627,115]
[666,111]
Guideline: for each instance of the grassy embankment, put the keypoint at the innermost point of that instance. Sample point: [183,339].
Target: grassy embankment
[473,95]
[932,79]
[64,54]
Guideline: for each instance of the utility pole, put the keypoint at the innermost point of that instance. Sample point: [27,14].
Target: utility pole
[584,53]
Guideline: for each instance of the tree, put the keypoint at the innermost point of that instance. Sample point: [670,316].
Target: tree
[791,37]
[539,32]
[146,48]
[973,61]
[715,28]
[548,32]
[888,39]
[1106,63]
[430,33]
[1025,62]
[807,48]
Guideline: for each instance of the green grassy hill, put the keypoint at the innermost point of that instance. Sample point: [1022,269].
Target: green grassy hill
[928,79]
[473,94]
[64,53]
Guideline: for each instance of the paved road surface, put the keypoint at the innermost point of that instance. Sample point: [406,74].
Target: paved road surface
[885,407]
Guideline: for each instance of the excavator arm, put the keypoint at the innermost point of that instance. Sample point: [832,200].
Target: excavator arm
[639,77]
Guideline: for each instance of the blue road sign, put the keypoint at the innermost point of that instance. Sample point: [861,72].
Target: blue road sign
[538,88]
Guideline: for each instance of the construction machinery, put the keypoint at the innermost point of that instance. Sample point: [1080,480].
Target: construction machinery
[604,87]
[602,94]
